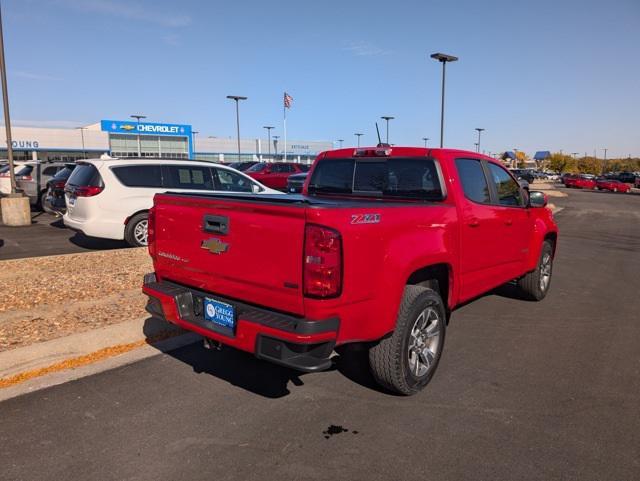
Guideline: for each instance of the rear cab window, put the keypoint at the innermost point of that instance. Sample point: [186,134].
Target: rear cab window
[406,178]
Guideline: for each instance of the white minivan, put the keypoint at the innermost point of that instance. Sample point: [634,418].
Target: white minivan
[110,198]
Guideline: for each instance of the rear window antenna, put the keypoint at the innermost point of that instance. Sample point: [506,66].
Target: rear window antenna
[380,144]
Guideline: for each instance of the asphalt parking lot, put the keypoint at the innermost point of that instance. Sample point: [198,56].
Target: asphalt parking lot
[47,235]
[527,391]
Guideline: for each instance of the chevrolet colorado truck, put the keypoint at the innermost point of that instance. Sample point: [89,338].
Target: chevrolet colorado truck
[379,248]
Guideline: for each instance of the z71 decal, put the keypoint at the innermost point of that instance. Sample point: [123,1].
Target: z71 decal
[365,218]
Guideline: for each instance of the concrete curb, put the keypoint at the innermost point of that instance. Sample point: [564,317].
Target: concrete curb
[55,353]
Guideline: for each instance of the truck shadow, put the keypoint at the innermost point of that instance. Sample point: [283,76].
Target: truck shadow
[233,366]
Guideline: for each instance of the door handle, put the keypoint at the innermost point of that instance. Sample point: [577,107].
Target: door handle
[474,223]
[508,222]
[217,224]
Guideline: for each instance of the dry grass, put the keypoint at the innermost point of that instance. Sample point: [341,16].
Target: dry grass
[43,298]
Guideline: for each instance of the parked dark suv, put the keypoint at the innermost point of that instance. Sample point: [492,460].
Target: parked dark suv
[53,201]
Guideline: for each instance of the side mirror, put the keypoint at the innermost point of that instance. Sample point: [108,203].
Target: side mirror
[255,188]
[537,199]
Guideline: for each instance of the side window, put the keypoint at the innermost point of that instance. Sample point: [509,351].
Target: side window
[508,189]
[188,177]
[231,182]
[49,171]
[139,175]
[473,180]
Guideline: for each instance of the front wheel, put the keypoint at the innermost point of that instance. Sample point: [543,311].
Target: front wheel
[406,361]
[535,285]
[136,231]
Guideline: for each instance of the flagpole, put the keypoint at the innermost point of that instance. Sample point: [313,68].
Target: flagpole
[284,108]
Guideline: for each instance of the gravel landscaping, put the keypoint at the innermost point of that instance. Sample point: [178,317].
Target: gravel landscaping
[42,298]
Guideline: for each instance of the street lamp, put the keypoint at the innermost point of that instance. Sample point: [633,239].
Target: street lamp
[193,139]
[443,58]
[269,127]
[425,141]
[479,132]
[340,140]
[237,98]
[358,135]
[604,162]
[7,117]
[138,117]
[387,118]
[82,129]
[275,145]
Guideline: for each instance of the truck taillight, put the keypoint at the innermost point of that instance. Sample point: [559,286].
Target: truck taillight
[322,262]
[151,232]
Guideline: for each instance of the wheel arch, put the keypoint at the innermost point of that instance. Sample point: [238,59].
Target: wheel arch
[438,277]
[141,211]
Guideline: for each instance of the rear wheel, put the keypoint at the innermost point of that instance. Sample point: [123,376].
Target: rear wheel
[406,361]
[136,231]
[535,285]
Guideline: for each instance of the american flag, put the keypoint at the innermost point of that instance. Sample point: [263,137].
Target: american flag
[287,100]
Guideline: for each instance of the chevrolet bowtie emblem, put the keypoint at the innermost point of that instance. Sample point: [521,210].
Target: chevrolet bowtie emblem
[215,245]
[127,127]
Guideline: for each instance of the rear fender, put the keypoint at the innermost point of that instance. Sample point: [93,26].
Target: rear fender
[543,228]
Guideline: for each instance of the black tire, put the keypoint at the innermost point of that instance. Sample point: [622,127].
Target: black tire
[530,285]
[390,358]
[131,235]
[41,198]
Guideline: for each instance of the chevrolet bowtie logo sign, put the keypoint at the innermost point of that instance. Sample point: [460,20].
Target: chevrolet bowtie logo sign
[127,127]
[215,245]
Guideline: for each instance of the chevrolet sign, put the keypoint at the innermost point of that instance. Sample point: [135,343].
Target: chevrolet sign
[145,128]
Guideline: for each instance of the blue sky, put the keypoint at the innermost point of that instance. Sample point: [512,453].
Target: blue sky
[543,75]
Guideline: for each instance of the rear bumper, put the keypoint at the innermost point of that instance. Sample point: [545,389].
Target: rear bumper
[298,343]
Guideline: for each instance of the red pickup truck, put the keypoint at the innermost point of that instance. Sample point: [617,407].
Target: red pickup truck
[380,247]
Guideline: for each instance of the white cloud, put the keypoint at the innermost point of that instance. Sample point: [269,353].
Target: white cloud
[32,76]
[365,49]
[130,11]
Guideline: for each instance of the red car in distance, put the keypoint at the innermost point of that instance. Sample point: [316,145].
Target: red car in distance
[612,185]
[275,174]
[580,182]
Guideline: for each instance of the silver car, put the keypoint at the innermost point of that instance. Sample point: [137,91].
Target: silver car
[32,179]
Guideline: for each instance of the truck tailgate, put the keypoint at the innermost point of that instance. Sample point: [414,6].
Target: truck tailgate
[238,248]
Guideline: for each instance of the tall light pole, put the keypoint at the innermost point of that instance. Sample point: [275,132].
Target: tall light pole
[237,98]
[193,139]
[340,140]
[138,117]
[604,162]
[82,129]
[275,144]
[358,135]
[269,127]
[7,117]
[443,58]
[425,141]
[479,132]
[387,118]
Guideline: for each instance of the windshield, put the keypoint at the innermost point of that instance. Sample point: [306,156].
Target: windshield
[402,178]
[257,168]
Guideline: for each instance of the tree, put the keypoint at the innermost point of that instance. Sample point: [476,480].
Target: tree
[561,163]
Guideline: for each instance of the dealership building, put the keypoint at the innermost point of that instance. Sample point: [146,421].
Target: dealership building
[123,138]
